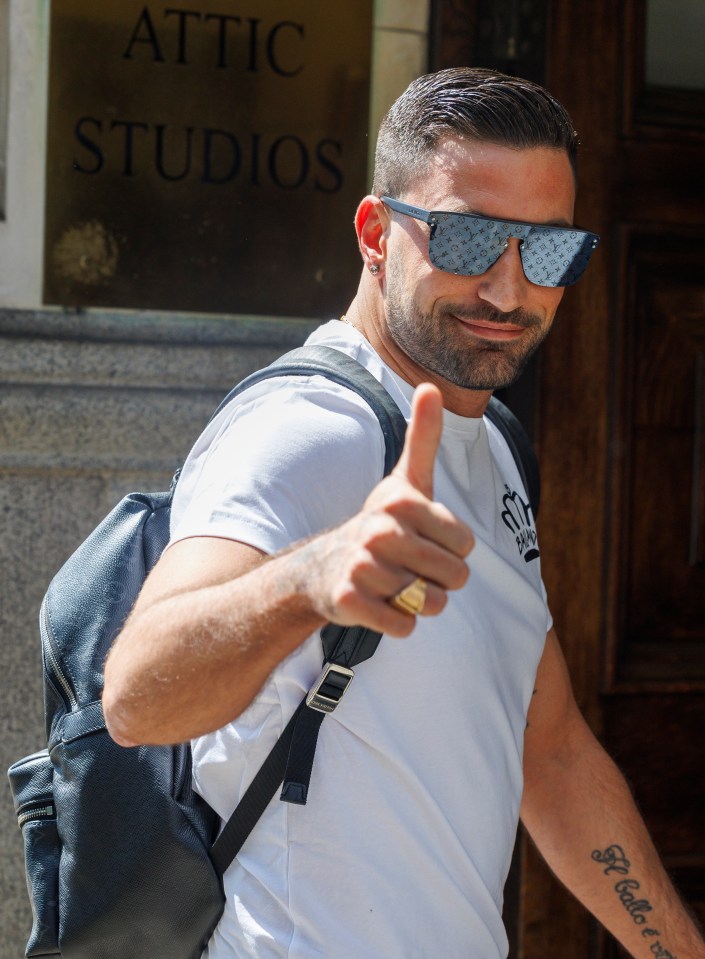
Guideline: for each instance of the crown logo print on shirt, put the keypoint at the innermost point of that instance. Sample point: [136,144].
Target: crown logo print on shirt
[516,516]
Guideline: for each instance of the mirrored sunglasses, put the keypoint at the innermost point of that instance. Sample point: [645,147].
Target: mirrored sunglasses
[468,244]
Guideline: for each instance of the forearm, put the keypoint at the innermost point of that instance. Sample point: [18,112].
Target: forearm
[190,663]
[579,811]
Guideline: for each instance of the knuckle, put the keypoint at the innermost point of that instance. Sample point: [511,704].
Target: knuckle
[405,503]
[435,603]
[401,626]
[345,596]
[461,574]
[380,531]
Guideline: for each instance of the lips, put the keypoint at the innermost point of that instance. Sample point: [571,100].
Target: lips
[489,330]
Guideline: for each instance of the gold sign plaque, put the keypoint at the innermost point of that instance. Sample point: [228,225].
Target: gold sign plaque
[206,157]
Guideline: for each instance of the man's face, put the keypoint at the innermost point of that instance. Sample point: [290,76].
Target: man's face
[476,332]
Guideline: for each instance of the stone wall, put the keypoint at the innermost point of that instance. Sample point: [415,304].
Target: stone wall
[92,406]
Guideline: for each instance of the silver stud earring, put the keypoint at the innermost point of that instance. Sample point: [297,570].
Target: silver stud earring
[374,269]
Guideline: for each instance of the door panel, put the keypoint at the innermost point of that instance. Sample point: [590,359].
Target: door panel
[656,626]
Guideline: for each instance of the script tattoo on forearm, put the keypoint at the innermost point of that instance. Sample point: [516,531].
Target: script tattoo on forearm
[615,863]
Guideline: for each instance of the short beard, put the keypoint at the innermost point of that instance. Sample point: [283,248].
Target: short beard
[428,339]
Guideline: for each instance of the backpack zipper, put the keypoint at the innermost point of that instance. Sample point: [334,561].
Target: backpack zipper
[52,663]
[36,813]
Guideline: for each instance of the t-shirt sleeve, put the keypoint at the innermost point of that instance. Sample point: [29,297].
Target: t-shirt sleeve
[286,460]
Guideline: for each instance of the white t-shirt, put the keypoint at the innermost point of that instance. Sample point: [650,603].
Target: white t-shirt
[403,848]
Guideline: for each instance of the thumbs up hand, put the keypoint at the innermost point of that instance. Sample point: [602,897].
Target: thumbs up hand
[400,535]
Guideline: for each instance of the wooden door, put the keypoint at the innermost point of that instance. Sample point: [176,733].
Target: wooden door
[617,407]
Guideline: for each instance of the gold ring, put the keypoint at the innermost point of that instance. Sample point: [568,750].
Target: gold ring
[412,598]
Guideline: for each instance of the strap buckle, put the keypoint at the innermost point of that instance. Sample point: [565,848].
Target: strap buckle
[329,688]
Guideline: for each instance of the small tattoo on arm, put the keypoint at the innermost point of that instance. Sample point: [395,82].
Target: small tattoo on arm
[614,861]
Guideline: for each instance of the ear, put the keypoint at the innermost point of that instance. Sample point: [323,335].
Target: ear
[371,222]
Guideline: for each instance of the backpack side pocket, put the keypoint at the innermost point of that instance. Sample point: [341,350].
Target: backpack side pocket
[31,782]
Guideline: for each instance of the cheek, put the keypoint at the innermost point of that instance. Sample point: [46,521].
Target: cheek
[410,273]
[548,300]
[408,250]
[431,287]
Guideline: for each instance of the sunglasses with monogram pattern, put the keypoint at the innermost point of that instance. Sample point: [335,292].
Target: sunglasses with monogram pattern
[468,244]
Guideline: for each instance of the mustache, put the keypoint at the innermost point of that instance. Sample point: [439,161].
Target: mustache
[519,317]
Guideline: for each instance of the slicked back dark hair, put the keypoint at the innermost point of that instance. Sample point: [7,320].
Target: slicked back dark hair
[467,103]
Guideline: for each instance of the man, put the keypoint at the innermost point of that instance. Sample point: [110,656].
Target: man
[281,524]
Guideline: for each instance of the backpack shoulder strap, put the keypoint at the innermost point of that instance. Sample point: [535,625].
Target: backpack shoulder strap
[344,370]
[292,755]
[521,448]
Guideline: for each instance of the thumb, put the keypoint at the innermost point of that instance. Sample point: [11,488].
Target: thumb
[423,437]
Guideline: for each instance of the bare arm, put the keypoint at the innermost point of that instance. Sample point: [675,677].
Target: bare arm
[579,812]
[215,616]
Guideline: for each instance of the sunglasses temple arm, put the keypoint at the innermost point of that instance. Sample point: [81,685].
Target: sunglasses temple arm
[399,207]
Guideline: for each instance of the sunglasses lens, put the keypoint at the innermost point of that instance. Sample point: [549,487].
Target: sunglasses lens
[555,257]
[469,245]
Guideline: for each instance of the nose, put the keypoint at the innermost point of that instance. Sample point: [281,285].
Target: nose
[504,285]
